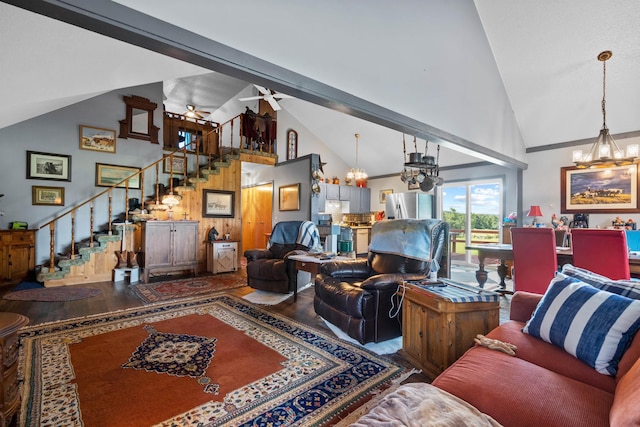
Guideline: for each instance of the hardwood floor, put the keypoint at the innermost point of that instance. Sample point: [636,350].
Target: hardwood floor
[120,296]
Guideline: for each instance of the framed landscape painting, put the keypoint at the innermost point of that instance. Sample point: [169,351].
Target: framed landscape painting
[108,175]
[289,199]
[51,196]
[606,190]
[217,204]
[98,139]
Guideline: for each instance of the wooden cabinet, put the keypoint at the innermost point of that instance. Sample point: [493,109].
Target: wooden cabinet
[10,323]
[17,254]
[359,198]
[169,246]
[222,256]
[436,330]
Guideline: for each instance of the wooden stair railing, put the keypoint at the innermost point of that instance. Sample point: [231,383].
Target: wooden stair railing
[91,201]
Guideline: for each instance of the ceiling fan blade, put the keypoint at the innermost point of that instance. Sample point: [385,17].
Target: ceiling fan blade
[274,104]
[263,90]
[250,98]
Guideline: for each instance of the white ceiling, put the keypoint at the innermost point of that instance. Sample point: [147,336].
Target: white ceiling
[545,53]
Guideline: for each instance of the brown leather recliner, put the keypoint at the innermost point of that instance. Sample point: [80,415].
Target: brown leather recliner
[270,269]
[359,296]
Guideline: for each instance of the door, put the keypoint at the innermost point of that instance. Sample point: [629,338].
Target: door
[473,210]
[257,207]
[185,249]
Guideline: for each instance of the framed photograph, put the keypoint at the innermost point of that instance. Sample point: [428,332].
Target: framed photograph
[178,165]
[48,166]
[607,190]
[413,185]
[383,195]
[50,196]
[217,204]
[108,175]
[289,197]
[97,139]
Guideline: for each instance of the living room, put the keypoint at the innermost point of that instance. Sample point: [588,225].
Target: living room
[530,174]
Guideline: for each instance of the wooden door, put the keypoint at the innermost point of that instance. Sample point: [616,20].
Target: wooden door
[156,237]
[257,207]
[185,245]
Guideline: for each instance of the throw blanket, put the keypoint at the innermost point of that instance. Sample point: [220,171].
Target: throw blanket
[424,405]
[410,238]
[288,232]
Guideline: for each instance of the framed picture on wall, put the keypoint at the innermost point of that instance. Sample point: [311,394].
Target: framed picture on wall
[48,196]
[48,166]
[98,139]
[108,175]
[606,190]
[383,195]
[176,167]
[217,204]
[289,197]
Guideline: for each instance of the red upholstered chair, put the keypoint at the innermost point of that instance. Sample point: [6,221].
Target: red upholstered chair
[602,251]
[534,258]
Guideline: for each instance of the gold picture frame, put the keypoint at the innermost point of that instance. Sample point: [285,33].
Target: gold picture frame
[383,195]
[97,139]
[109,175]
[47,196]
[289,197]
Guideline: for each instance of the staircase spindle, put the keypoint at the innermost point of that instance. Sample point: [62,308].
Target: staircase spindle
[110,211]
[73,234]
[52,245]
[126,201]
[91,224]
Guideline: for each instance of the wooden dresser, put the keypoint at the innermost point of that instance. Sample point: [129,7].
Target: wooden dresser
[10,323]
[17,254]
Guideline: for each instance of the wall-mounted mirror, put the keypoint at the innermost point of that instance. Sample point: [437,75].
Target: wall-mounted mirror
[138,123]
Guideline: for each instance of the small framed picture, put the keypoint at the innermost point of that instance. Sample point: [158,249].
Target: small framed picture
[383,195]
[48,166]
[217,204]
[176,167]
[49,196]
[108,175]
[97,139]
[289,197]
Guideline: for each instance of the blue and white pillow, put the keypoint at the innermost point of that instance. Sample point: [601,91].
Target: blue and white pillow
[593,325]
[626,288]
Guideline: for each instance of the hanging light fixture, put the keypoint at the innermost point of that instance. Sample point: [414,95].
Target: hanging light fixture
[171,200]
[357,174]
[605,152]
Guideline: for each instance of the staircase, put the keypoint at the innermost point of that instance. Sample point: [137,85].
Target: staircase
[96,263]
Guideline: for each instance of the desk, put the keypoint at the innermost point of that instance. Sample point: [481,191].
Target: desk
[504,252]
[311,264]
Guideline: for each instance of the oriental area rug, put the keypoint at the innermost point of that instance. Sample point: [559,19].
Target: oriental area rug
[216,361]
[187,288]
[64,293]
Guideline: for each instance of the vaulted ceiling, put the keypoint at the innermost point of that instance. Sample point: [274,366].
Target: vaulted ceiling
[422,64]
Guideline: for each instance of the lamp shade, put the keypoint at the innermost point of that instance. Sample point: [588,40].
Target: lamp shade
[534,210]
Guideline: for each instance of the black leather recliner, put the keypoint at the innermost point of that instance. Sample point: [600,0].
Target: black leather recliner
[270,269]
[359,296]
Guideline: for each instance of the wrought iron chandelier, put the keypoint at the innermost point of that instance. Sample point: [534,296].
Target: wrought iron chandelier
[605,152]
[423,170]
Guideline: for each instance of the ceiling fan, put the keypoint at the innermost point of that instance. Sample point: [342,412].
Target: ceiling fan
[195,114]
[271,98]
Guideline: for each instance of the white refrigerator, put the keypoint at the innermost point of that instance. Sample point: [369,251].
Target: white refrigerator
[409,205]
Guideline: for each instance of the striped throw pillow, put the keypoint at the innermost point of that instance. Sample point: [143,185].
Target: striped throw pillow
[593,325]
[626,288]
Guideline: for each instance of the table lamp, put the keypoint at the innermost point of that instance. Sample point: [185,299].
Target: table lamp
[534,211]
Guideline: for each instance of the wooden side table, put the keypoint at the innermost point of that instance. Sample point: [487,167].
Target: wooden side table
[440,323]
[10,323]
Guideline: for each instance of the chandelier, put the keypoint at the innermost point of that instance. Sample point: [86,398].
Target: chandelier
[423,170]
[605,152]
[357,174]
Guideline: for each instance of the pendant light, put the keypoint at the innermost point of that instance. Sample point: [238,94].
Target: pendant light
[357,174]
[605,152]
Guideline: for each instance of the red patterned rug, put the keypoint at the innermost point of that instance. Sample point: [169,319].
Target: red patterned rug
[198,286]
[65,293]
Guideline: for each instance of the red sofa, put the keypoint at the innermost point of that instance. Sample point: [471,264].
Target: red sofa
[543,385]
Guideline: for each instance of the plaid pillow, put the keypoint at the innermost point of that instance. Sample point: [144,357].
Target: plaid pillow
[593,325]
[626,288]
